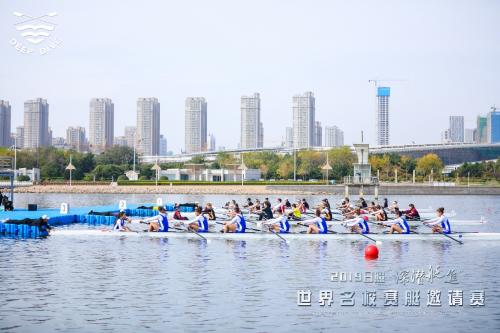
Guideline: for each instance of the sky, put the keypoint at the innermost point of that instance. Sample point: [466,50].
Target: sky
[444,54]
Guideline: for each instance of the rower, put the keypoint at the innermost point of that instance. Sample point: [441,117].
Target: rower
[119,224]
[380,214]
[394,208]
[305,204]
[160,223]
[178,216]
[301,206]
[372,208]
[208,212]
[265,212]
[357,223]
[283,226]
[399,224]
[199,224]
[445,223]
[287,203]
[294,213]
[237,224]
[362,204]
[248,204]
[412,213]
[317,224]
[279,206]
[327,213]
[386,203]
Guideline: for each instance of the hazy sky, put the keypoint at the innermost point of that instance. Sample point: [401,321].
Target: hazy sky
[449,51]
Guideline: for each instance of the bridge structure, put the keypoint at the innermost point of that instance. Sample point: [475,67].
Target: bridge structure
[450,153]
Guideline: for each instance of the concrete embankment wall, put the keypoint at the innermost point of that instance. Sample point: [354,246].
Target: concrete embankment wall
[391,190]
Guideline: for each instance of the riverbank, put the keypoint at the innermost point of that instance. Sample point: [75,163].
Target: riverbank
[226,189]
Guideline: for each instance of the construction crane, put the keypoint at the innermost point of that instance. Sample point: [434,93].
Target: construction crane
[376,80]
[89,145]
[494,108]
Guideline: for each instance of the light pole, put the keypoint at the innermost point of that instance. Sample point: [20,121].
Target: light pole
[468,178]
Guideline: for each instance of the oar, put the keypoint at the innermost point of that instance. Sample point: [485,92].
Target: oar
[456,240]
[274,232]
[376,241]
[190,229]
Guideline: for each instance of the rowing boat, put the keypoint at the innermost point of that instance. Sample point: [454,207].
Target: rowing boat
[472,236]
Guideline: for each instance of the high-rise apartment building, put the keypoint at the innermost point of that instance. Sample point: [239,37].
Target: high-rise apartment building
[163,145]
[75,136]
[120,141]
[148,126]
[481,129]
[20,137]
[457,128]
[493,127]
[5,123]
[252,130]
[334,136]
[130,132]
[195,134]
[470,135]
[289,137]
[445,136]
[102,124]
[382,116]
[318,134]
[211,142]
[304,110]
[36,124]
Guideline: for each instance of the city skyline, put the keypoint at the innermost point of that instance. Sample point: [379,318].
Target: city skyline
[337,72]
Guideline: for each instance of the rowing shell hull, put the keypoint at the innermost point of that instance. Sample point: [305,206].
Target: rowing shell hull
[465,237]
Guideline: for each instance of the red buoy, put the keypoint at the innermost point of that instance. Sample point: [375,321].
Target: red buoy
[366,218]
[371,251]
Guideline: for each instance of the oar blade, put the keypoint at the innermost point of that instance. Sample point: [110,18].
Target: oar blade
[18,14]
[52,14]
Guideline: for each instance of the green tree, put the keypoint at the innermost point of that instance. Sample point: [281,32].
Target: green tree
[197,159]
[430,162]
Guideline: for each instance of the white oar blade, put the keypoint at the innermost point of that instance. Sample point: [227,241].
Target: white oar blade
[17,14]
[209,241]
[52,14]
[288,242]
[378,242]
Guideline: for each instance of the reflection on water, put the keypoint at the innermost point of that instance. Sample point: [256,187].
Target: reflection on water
[158,284]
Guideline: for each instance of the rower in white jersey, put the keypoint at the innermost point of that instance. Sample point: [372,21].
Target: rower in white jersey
[237,224]
[278,224]
[120,223]
[357,223]
[200,223]
[279,206]
[317,224]
[399,224]
[445,224]
[159,222]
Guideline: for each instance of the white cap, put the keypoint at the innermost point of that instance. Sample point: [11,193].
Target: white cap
[196,202]
[286,198]
[121,210]
[45,217]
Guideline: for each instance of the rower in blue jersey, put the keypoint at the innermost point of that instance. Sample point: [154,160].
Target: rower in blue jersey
[357,223]
[200,223]
[159,222]
[120,223]
[279,224]
[237,224]
[317,224]
[399,224]
[441,219]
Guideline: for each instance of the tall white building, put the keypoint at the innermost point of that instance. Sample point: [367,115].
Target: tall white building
[470,135]
[20,137]
[252,130]
[382,116]
[211,142]
[318,134]
[130,131]
[457,128]
[163,145]
[5,123]
[289,137]
[304,120]
[445,136]
[75,136]
[148,126]
[102,124]
[195,133]
[36,124]
[334,137]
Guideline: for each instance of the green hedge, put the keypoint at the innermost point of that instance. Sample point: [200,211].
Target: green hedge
[185,183]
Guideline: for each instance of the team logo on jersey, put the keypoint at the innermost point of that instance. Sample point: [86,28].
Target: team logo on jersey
[35,30]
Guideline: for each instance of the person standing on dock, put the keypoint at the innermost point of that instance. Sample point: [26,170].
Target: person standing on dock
[158,223]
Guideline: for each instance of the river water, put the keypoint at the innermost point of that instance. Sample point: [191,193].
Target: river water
[90,283]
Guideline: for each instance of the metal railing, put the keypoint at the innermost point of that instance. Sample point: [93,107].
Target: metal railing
[16,184]
[360,180]
[6,163]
